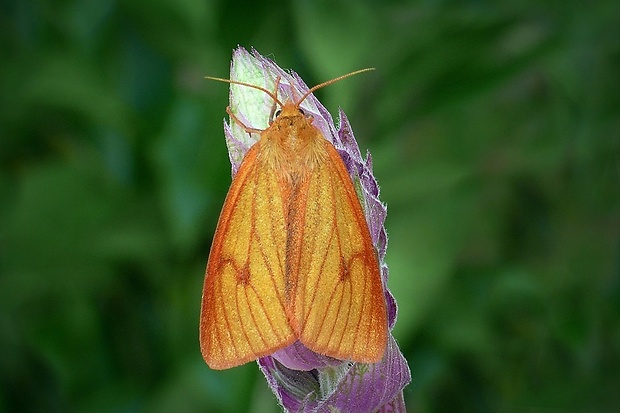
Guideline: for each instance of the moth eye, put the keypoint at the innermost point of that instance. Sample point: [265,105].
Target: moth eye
[302,111]
[275,115]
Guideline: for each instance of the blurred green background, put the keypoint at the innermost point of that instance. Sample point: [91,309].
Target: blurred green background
[494,131]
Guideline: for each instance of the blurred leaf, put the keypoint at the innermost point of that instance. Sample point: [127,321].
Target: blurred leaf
[183,159]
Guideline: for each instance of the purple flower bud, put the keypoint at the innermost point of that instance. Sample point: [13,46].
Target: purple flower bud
[301,379]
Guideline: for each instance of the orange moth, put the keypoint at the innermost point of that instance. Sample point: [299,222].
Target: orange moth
[292,257]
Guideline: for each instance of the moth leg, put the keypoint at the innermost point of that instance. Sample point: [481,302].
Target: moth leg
[243,125]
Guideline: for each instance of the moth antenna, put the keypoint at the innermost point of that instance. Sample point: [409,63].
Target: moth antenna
[275,102]
[236,82]
[329,82]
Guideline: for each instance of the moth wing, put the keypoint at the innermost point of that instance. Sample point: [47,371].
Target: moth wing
[338,307]
[243,312]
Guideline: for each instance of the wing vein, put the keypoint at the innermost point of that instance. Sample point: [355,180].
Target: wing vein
[341,284]
[228,326]
[315,288]
[269,268]
[329,305]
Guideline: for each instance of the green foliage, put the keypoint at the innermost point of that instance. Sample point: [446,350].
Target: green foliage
[494,135]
